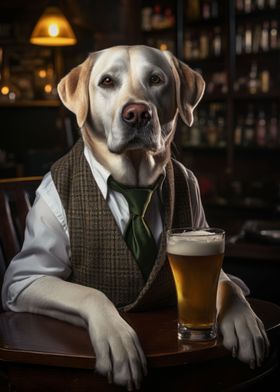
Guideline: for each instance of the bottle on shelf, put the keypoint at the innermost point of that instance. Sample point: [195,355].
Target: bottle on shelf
[261,129]
[146,18]
[204,45]
[258,127]
[238,132]
[202,125]
[215,127]
[156,18]
[260,37]
[264,44]
[274,35]
[248,6]
[265,81]
[273,132]
[192,9]
[273,4]
[195,132]
[169,18]
[195,49]
[239,40]
[249,128]
[188,46]
[206,9]
[256,38]
[253,82]
[212,129]
[248,39]
[217,42]
[239,5]
[221,126]
[260,4]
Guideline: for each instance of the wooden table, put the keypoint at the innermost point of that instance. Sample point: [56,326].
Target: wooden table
[38,353]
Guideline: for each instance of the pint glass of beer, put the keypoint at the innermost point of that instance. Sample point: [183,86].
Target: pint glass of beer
[195,257]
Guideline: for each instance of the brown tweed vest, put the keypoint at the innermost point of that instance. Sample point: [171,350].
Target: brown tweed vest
[99,255]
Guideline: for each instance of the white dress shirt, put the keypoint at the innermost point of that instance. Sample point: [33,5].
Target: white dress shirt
[46,247]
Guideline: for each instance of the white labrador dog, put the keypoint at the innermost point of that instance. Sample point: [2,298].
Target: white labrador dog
[139,87]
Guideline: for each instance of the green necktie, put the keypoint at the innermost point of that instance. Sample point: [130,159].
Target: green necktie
[138,236]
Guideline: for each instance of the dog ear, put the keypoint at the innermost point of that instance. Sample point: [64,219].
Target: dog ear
[190,87]
[73,90]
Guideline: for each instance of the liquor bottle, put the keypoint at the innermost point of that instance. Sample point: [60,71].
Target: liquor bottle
[202,125]
[204,45]
[256,38]
[146,16]
[261,129]
[260,4]
[217,42]
[274,35]
[239,5]
[206,9]
[188,47]
[221,128]
[265,37]
[265,81]
[156,18]
[248,39]
[195,49]
[273,133]
[212,128]
[193,9]
[253,83]
[195,132]
[169,18]
[273,4]
[249,128]
[239,40]
[238,132]
[247,6]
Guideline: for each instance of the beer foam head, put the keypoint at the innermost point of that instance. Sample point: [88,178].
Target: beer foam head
[196,243]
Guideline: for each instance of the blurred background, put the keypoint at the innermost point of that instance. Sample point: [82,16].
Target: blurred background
[233,146]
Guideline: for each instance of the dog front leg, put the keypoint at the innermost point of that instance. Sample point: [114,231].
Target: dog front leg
[243,332]
[119,355]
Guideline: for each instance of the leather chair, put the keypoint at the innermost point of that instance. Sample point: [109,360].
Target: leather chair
[38,353]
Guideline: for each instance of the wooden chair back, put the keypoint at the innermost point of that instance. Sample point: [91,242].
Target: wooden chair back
[16,198]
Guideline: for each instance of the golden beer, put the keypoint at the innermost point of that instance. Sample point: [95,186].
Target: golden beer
[196,259]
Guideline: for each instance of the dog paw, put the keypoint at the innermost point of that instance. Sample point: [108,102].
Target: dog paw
[244,334]
[119,355]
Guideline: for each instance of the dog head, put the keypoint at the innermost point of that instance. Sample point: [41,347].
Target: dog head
[129,97]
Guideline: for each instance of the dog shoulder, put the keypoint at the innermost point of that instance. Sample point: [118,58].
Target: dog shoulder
[187,173]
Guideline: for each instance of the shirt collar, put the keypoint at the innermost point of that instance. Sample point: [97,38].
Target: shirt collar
[100,174]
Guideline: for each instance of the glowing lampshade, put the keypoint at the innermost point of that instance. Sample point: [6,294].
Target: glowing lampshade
[53,29]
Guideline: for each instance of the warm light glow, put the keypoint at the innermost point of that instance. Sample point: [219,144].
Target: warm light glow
[48,88]
[42,73]
[5,90]
[163,47]
[53,29]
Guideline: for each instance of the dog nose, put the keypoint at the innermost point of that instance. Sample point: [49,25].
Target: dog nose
[136,114]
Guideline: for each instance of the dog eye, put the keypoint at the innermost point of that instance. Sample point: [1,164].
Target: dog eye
[107,82]
[155,79]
